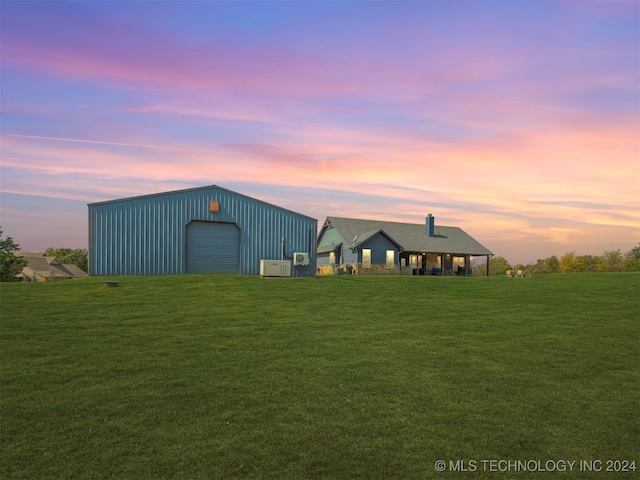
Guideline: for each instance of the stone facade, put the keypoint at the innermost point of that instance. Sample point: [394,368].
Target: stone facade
[377,269]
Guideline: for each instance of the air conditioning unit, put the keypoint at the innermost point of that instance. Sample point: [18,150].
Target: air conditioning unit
[275,268]
[300,259]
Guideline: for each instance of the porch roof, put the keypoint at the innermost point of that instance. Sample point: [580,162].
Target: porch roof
[331,247]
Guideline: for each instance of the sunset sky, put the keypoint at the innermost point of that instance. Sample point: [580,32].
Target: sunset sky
[517,121]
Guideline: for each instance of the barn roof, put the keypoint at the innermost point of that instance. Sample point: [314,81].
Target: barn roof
[412,237]
[195,189]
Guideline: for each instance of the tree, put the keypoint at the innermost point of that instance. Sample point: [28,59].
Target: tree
[78,257]
[497,266]
[587,263]
[631,261]
[568,262]
[552,264]
[612,261]
[10,264]
[546,265]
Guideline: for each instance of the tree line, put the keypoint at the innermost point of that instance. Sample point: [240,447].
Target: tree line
[609,261]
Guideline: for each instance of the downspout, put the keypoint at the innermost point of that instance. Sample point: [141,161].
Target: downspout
[284,253]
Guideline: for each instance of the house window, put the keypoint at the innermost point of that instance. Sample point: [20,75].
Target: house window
[458,263]
[332,258]
[366,258]
[413,261]
[391,258]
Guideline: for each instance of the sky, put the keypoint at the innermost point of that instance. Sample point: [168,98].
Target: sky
[518,122]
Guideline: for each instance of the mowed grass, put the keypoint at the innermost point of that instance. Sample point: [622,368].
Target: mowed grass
[210,376]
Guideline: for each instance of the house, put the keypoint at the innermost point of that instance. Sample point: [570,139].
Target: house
[199,230]
[48,269]
[374,246]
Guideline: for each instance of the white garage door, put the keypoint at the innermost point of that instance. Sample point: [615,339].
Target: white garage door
[213,247]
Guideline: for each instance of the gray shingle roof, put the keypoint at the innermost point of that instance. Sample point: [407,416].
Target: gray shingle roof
[412,237]
[43,266]
[330,247]
[364,236]
[74,270]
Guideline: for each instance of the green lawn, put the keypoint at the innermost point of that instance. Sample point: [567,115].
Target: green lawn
[200,377]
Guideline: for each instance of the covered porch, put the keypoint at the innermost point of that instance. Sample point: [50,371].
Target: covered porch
[442,264]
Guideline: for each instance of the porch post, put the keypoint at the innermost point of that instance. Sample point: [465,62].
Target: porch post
[487,265]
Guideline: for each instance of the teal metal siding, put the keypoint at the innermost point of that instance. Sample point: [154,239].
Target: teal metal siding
[147,235]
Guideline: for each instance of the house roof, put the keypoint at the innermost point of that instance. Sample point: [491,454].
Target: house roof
[44,266]
[41,263]
[75,270]
[364,236]
[412,237]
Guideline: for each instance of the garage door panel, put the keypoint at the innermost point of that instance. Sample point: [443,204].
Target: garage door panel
[212,247]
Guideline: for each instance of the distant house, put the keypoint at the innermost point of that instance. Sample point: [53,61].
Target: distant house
[379,247]
[48,269]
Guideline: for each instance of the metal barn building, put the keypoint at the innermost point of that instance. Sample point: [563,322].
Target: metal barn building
[199,230]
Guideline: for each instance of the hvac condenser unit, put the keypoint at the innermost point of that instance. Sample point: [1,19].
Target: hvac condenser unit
[300,259]
[275,268]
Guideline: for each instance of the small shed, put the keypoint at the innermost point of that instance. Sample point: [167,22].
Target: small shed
[200,230]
